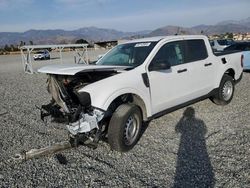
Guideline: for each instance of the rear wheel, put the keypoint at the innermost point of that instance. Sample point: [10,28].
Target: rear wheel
[125,127]
[225,92]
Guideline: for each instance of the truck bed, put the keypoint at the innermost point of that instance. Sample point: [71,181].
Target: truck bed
[216,53]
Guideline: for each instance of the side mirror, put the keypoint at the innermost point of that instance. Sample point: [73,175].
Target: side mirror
[158,65]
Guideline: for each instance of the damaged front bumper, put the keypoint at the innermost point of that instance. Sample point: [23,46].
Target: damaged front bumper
[86,122]
[73,108]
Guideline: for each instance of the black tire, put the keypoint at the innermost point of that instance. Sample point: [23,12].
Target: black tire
[224,95]
[126,119]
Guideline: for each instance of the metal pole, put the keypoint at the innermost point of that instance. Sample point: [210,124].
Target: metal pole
[29,65]
[87,57]
[30,61]
[23,59]
[75,56]
[60,49]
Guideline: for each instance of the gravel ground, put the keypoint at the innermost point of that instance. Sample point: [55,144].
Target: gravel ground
[211,148]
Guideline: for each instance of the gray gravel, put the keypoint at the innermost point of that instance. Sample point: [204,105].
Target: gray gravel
[210,149]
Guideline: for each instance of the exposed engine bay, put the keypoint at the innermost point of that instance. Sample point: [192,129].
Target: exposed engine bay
[73,108]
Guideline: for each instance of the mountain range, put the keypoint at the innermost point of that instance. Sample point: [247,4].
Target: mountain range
[93,34]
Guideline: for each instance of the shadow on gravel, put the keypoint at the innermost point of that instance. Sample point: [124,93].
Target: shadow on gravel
[193,167]
[61,159]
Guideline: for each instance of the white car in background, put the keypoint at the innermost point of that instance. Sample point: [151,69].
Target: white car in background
[41,55]
[220,44]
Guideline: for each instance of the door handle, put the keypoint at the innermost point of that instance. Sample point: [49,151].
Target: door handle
[207,64]
[182,70]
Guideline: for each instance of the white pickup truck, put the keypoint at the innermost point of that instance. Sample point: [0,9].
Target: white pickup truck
[136,82]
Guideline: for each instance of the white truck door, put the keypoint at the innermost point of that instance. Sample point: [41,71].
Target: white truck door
[202,67]
[169,86]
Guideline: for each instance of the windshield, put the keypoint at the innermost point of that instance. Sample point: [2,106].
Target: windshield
[131,54]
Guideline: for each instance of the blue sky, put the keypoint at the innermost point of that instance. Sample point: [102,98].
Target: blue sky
[124,15]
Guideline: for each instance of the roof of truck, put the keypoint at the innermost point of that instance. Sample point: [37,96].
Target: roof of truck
[158,38]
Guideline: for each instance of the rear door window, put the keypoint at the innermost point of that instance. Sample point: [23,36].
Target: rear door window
[195,50]
[180,52]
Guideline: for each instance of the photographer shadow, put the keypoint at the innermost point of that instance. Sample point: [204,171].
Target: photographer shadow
[193,166]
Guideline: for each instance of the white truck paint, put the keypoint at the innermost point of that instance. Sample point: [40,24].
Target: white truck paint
[154,85]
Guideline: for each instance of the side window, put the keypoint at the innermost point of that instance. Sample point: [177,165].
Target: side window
[195,50]
[171,53]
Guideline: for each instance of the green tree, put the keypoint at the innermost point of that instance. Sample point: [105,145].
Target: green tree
[12,47]
[81,41]
[22,43]
[230,35]
[7,48]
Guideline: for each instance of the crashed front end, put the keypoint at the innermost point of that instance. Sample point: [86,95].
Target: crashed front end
[70,105]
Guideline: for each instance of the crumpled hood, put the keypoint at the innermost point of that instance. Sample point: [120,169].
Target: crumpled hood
[72,69]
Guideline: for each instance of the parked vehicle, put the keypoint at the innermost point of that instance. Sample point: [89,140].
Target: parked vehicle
[41,55]
[136,82]
[220,44]
[245,47]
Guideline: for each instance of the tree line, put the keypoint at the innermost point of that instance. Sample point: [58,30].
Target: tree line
[13,47]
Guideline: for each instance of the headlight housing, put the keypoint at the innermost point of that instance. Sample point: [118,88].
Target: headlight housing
[84,99]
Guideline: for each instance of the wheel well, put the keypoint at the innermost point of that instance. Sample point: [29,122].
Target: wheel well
[128,98]
[230,72]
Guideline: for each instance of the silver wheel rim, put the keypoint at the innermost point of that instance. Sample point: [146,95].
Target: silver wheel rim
[131,129]
[227,90]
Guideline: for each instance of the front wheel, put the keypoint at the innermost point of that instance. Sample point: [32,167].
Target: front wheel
[225,91]
[125,127]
